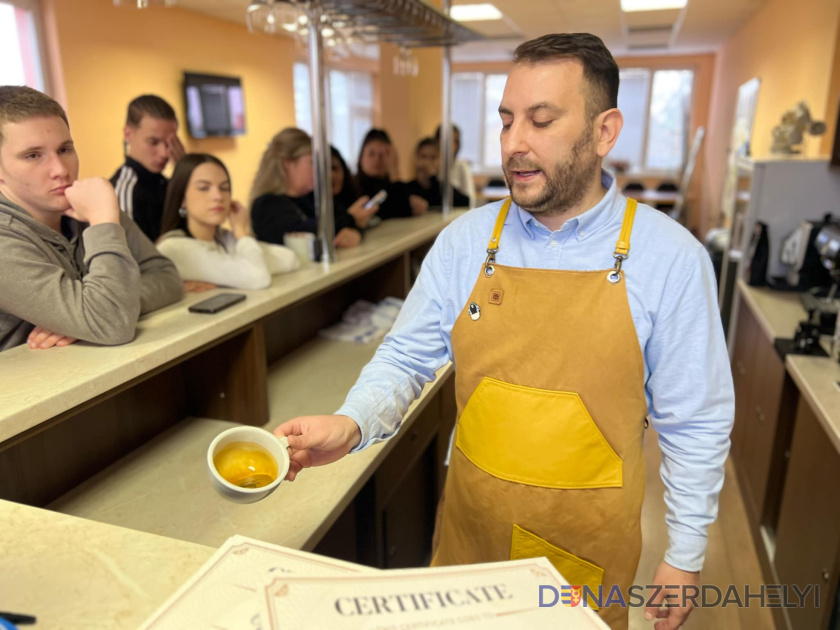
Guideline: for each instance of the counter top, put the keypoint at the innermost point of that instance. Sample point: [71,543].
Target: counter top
[163,488]
[75,573]
[778,312]
[41,384]
[818,379]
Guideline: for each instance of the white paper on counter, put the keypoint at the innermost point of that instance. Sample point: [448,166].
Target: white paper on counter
[226,592]
[328,603]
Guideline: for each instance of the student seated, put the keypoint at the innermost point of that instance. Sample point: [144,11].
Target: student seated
[198,202]
[282,200]
[72,266]
[346,193]
[425,182]
[378,171]
[150,142]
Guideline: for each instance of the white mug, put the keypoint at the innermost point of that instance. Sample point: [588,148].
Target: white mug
[278,447]
[302,244]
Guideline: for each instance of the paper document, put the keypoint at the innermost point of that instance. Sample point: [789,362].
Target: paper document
[504,596]
[226,592]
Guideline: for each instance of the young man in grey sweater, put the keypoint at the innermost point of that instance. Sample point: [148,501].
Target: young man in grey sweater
[72,266]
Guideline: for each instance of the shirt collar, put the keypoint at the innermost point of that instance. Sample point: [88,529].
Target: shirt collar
[143,172]
[584,225]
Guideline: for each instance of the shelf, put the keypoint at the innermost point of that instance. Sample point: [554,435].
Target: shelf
[407,23]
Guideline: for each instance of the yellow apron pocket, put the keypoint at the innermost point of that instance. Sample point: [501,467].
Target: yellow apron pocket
[537,437]
[577,572]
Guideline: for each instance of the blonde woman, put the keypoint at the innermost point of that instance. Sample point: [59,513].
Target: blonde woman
[198,202]
[282,200]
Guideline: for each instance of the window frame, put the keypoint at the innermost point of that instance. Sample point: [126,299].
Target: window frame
[35,8]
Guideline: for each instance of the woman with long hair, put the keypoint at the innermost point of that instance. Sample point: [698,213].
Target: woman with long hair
[198,201]
[346,192]
[282,201]
[378,171]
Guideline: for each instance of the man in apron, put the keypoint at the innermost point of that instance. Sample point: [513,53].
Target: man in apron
[571,315]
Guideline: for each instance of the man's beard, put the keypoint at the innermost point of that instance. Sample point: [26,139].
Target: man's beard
[564,188]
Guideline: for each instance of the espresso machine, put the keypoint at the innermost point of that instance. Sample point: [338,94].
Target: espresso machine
[822,303]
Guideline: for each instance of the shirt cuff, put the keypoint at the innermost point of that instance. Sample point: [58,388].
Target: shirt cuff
[350,412]
[686,551]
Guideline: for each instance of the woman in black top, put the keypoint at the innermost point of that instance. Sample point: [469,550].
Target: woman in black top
[282,200]
[377,171]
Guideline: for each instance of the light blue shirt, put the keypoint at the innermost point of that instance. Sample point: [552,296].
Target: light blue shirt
[671,290]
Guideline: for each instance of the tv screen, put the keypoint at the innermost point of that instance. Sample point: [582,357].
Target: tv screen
[215,105]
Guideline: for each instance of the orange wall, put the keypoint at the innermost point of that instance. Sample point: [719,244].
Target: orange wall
[409,108]
[791,48]
[110,55]
[833,102]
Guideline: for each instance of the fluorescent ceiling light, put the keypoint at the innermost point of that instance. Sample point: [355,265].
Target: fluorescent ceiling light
[651,5]
[474,12]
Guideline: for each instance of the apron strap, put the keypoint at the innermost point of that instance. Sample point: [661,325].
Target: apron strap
[495,239]
[622,247]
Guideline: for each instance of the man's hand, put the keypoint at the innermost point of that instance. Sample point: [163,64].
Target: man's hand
[668,603]
[176,149]
[41,339]
[318,440]
[93,201]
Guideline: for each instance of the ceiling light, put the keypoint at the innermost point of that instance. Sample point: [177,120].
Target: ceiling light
[475,12]
[629,6]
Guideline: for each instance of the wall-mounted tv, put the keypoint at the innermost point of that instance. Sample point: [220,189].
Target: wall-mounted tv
[215,105]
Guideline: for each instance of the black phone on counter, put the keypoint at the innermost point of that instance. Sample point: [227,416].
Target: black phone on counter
[217,303]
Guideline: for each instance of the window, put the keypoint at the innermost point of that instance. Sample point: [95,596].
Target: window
[351,108]
[472,93]
[20,45]
[656,107]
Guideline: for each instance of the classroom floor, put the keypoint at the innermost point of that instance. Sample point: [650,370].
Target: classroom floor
[730,558]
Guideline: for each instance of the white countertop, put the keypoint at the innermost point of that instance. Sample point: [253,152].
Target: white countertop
[40,384]
[818,379]
[162,487]
[74,573]
[778,312]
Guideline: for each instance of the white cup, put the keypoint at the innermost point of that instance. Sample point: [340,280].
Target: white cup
[302,244]
[274,445]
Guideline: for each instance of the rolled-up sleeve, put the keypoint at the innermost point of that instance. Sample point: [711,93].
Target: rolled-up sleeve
[692,405]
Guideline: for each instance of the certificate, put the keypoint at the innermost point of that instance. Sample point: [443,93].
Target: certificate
[503,596]
[225,593]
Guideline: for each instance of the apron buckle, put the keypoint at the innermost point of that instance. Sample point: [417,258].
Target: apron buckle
[489,269]
[614,276]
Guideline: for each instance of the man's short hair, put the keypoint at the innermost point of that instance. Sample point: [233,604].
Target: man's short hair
[426,142]
[149,105]
[599,68]
[19,103]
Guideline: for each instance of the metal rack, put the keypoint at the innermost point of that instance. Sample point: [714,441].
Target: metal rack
[406,23]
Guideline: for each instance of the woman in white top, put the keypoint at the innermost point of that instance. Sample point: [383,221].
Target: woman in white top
[198,202]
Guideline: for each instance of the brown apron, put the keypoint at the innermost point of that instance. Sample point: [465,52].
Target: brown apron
[551,408]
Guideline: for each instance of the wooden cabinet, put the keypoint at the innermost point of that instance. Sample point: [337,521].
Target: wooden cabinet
[762,393]
[808,534]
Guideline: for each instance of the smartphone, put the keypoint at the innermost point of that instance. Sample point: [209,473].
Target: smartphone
[377,199]
[217,303]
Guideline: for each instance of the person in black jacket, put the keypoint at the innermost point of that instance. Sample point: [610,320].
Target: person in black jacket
[282,200]
[426,183]
[150,143]
[378,170]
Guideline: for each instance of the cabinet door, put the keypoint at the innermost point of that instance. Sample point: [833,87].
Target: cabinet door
[762,418]
[808,536]
[743,360]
